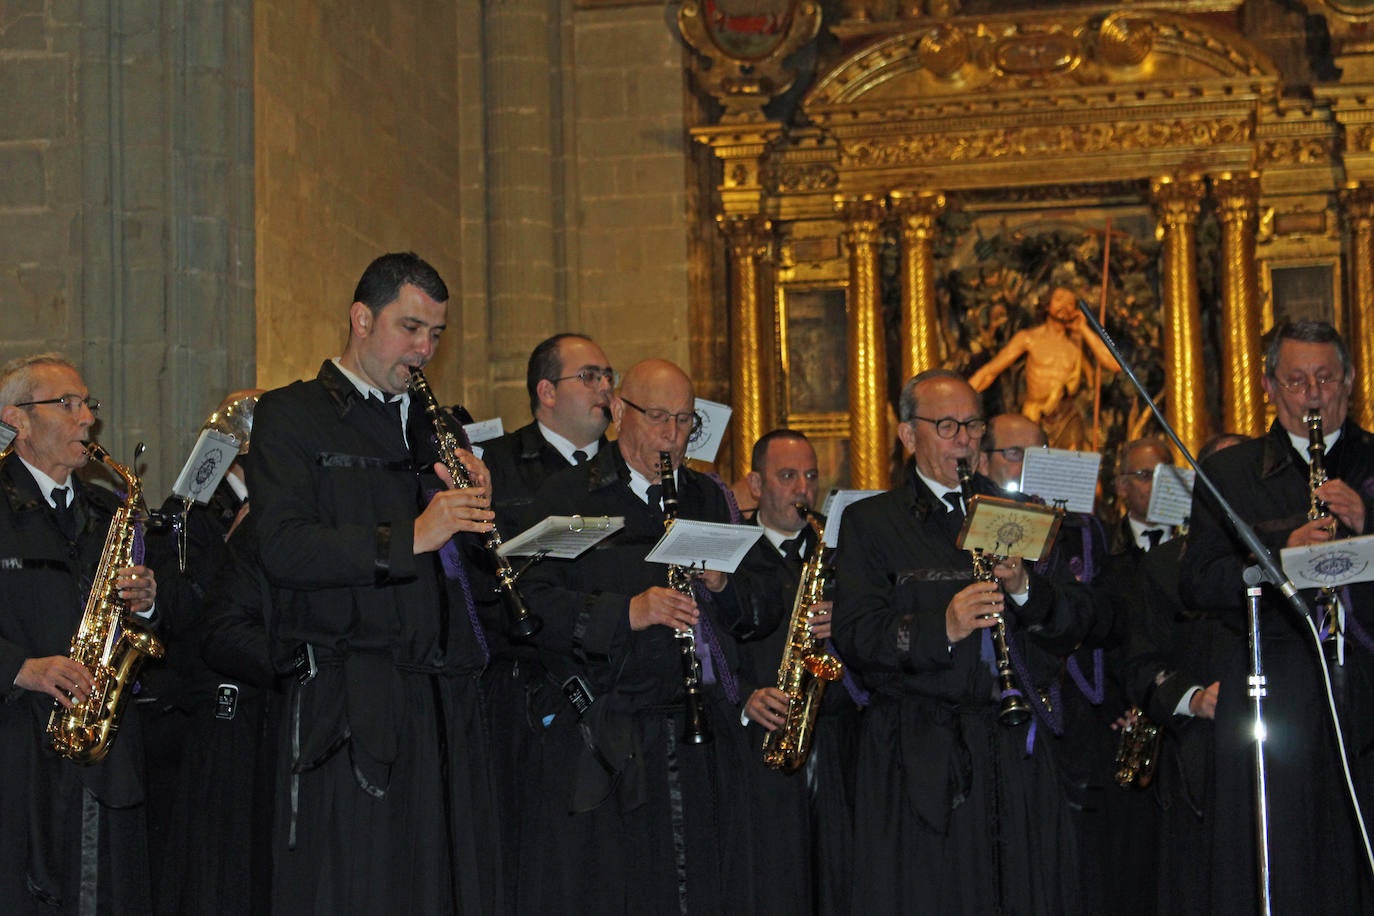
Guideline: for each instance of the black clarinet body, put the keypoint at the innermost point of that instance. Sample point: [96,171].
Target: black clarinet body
[521,624]
[696,730]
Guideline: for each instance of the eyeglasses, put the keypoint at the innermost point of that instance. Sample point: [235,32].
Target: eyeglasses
[590,375]
[658,416]
[1010,453]
[948,427]
[1142,474]
[72,402]
[1300,385]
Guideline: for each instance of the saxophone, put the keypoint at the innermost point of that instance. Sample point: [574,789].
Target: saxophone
[696,729]
[806,668]
[1014,710]
[1137,752]
[521,624]
[109,642]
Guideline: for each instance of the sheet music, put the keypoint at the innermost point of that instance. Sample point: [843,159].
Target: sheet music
[564,537]
[7,434]
[705,545]
[706,443]
[205,468]
[835,503]
[483,430]
[1171,496]
[1061,477]
[1330,565]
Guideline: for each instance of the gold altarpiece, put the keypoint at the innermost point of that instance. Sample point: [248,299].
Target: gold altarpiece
[937,173]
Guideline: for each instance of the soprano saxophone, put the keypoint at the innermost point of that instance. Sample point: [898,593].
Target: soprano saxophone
[806,667]
[521,624]
[696,729]
[109,642]
[1014,709]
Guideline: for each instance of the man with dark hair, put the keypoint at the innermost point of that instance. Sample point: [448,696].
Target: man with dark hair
[1137,534]
[804,833]
[384,795]
[72,838]
[952,808]
[630,816]
[1312,831]
[569,381]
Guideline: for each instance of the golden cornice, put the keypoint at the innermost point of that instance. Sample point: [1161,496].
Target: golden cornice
[868,21]
[1045,54]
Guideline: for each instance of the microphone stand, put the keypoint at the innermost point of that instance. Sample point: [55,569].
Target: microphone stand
[1266,570]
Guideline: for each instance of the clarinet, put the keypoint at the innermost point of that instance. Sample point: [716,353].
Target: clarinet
[696,730]
[1014,709]
[1328,605]
[522,624]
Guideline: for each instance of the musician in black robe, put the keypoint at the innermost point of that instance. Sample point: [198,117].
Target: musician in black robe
[72,837]
[1313,841]
[952,808]
[632,817]
[384,800]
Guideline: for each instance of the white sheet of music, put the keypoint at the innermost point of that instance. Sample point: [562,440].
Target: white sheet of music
[209,461]
[564,537]
[482,430]
[705,545]
[835,504]
[1061,477]
[7,434]
[1171,496]
[706,443]
[1330,565]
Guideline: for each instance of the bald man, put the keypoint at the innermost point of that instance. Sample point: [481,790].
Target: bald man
[626,816]
[1004,447]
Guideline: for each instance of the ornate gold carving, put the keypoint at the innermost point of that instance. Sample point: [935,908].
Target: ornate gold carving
[920,323]
[1295,151]
[745,56]
[1125,40]
[786,179]
[1059,139]
[1357,206]
[1242,399]
[868,436]
[1177,202]
[750,396]
[944,49]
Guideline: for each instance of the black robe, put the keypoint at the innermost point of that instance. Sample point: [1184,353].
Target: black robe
[384,795]
[623,816]
[1312,839]
[950,810]
[47,802]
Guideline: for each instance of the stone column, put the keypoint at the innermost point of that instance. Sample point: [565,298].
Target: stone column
[750,392]
[868,437]
[1357,207]
[920,328]
[1242,363]
[1176,204]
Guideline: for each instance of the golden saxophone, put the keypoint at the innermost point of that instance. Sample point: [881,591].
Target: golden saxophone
[696,729]
[521,624]
[110,642]
[806,667]
[1137,752]
[1014,709]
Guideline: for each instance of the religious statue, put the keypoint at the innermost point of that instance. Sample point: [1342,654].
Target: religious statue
[1054,369]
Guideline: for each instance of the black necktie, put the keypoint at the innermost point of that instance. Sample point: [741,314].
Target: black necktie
[791,549]
[956,501]
[1154,536]
[654,498]
[66,516]
[579,457]
[390,407]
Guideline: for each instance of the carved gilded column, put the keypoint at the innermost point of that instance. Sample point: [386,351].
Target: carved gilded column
[868,438]
[920,328]
[1357,206]
[751,398]
[1176,204]
[1242,363]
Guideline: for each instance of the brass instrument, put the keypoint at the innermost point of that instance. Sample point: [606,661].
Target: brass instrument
[1137,752]
[696,729]
[806,668]
[522,624]
[109,642]
[1328,604]
[1014,709]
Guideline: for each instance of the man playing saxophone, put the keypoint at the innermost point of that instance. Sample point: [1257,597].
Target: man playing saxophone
[88,821]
